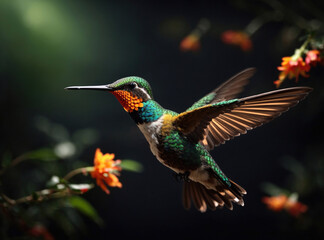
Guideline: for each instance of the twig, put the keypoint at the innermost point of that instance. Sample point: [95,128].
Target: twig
[37,196]
[8,199]
[74,172]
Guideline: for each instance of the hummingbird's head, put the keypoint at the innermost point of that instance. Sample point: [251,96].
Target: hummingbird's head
[131,92]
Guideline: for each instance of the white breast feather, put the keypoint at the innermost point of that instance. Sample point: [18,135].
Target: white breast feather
[150,131]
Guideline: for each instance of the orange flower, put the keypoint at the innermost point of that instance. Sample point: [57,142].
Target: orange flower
[292,67]
[280,202]
[238,38]
[275,203]
[313,57]
[190,43]
[105,170]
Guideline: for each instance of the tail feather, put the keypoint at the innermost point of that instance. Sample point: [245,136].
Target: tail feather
[204,198]
[238,188]
[209,200]
[197,199]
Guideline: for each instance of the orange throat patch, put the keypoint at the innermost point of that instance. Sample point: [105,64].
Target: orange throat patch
[129,101]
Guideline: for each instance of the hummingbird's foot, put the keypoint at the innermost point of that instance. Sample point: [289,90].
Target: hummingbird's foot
[182,176]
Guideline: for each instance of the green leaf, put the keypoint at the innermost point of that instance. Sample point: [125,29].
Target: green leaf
[44,154]
[273,190]
[86,208]
[131,165]
[293,165]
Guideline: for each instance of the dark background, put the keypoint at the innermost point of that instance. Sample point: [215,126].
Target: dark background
[48,45]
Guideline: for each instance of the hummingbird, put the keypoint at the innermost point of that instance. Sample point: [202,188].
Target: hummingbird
[182,141]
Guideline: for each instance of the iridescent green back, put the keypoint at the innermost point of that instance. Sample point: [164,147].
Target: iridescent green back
[202,102]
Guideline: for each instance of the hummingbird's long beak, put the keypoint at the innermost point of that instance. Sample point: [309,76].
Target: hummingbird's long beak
[99,87]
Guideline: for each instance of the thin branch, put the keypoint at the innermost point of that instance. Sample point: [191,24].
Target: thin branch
[8,199]
[38,196]
[74,172]
[45,193]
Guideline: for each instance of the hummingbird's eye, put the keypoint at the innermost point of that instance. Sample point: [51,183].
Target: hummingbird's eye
[132,85]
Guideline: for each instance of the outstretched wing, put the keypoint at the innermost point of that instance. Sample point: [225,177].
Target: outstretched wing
[216,123]
[193,123]
[228,90]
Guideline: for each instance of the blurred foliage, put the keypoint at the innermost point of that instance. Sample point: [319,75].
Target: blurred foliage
[86,208]
[62,212]
[131,165]
[56,205]
[306,181]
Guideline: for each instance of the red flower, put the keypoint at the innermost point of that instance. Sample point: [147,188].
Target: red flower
[313,57]
[84,190]
[292,68]
[39,230]
[238,38]
[280,202]
[105,170]
[295,208]
[190,43]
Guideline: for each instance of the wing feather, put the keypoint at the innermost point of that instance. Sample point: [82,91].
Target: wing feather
[213,124]
[250,113]
[232,87]
[226,91]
